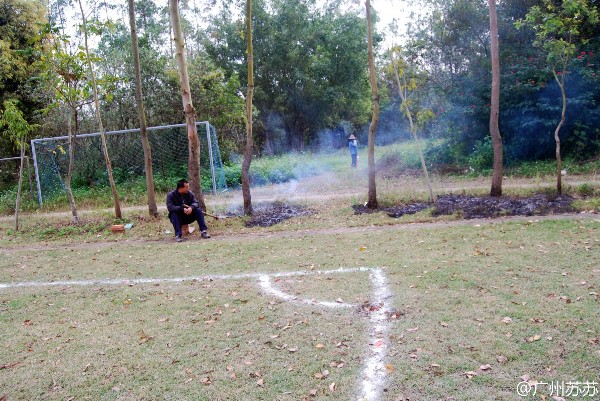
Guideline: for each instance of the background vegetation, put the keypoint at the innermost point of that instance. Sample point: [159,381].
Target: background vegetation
[312,89]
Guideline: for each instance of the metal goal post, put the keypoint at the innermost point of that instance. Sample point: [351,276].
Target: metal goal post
[169,146]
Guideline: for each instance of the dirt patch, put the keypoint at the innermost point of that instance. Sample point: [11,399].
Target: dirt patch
[477,207]
[394,211]
[269,214]
[483,207]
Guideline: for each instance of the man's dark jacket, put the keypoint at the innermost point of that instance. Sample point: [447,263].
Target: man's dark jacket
[175,201]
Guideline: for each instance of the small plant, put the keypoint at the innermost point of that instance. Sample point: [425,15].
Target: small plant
[585,190]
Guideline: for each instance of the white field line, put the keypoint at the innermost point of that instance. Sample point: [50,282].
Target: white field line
[374,372]
[373,376]
[135,281]
[268,288]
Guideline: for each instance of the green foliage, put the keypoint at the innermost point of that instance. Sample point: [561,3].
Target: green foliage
[309,69]
[586,190]
[276,169]
[482,157]
[17,127]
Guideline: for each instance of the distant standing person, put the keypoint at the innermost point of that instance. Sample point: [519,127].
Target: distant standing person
[184,209]
[353,146]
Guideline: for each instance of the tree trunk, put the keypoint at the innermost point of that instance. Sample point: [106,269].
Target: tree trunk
[372,200]
[111,180]
[188,107]
[69,177]
[18,200]
[249,141]
[561,85]
[413,129]
[495,104]
[152,209]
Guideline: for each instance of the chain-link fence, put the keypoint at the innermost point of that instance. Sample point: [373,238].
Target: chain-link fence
[9,178]
[169,145]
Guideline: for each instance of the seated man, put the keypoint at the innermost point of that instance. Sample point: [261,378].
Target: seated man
[183,209]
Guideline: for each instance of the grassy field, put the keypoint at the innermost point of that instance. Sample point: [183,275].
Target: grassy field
[473,307]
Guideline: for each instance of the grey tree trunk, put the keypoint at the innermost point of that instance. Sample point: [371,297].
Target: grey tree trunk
[69,177]
[188,107]
[139,100]
[372,199]
[249,140]
[111,180]
[561,84]
[18,200]
[496,189]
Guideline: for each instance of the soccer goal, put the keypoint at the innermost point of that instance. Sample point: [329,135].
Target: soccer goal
[169,146]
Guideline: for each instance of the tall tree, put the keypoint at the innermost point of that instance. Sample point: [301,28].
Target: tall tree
[109,171]
[18,130]
[250,94]
[62,73]
[399,67]
[188,107]
[559,30]
[372,199]
[495,103]
[309,69]
[152,209]
[20,47]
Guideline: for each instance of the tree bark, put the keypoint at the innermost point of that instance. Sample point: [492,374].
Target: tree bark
[496,189]
[249,141]
[69,177]
[111,180]
[18,200]
[561,85]
[188,107]
[152,209]
[372,199]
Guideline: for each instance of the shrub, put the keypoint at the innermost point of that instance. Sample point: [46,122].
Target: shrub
[585,190]
[482,157]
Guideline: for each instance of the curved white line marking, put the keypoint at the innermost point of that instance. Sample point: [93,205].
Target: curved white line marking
[267,286]
[373,376]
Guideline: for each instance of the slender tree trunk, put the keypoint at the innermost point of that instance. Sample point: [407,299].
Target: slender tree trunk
[372,199]
[561,85]
[413,129]
[18,200]
[69,177]
[188,107]
[152,209]
[111,180]
[249,141]
[495,104]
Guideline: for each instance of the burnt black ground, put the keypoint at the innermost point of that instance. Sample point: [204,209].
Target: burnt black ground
[473,207]
[269,214]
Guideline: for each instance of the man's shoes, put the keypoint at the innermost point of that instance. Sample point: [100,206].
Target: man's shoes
[178,238]
[204,234]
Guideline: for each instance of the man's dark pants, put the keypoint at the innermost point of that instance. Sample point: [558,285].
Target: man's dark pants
[180,219]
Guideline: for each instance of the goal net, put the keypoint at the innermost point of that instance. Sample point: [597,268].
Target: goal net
[169,145]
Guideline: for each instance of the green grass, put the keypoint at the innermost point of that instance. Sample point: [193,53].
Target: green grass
[215,339]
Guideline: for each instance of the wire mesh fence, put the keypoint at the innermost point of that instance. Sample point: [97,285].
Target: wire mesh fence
[169,145]
[9,176]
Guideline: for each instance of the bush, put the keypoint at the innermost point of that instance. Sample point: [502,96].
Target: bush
[482,157]
[585,190]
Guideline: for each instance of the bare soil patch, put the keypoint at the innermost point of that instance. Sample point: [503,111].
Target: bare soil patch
[478,207]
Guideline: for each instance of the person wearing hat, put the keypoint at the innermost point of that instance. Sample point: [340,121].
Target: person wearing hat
[353,146]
